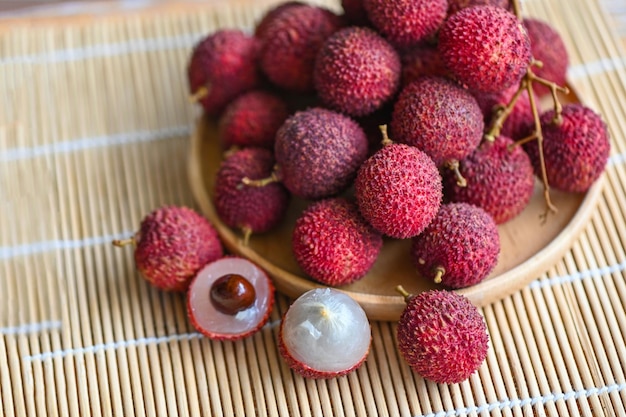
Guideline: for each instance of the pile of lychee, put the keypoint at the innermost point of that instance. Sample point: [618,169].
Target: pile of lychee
[405,119]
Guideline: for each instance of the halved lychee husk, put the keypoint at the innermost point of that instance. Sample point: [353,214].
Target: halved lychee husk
[209,321]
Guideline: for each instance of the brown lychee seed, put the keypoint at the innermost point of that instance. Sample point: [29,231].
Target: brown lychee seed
[318,152]
[333,243]
[222,65]
[290,42]
[172,244]
[248,208]
[356,71]
[406,22]
[398,190]
[459,248]
[499,178]
[486,48]
[442,336]
[238,317]
[576,150]
[439,117]
[324,334]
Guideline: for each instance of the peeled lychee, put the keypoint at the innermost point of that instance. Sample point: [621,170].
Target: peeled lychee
[356,71]
[442,336]
[223,65]
[499,179]
[485,47]
[576,150]
[230,298]
[324,334]
[333,243]
[459,248]
[172,244]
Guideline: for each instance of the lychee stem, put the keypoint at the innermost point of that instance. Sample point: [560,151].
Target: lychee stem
[454,166]
[439,271]
[124,242]
[517,9]
[199,94]
[503,113]
[404,293]
[262,182]
[386,141]
[247,232]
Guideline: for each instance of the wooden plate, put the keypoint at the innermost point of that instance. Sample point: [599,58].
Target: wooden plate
[528,245]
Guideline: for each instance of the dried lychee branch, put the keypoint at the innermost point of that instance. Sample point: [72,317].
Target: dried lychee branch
[503,112]
[199,94]
[517,9]
[262,182]
[455,167]
[386,140]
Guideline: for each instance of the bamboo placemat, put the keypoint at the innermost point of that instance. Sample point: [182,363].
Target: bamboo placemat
[94,133]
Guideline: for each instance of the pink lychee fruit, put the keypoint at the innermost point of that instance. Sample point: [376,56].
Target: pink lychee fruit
[421,60]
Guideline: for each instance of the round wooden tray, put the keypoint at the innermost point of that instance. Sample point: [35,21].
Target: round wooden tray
[528,245]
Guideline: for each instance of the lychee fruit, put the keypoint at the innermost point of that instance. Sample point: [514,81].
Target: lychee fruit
[248,208]
[172,244]
[439,117]
[406,22]
[333,243]
[290,42]
[515,123]
[442,336]
[324,334]
[456,5]
[486,48]
[356,71]
[230,298]
[270,14]
[421,60]
[459,248]
[575,150]
[252,119]
[499,179]
[398,190]
[223,65]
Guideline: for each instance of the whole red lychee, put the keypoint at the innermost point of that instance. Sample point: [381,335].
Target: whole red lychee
[459,248]
[270,14]
[333,243]
[485,47]
[442,336]
[172,244]
[356,71]
[223,65]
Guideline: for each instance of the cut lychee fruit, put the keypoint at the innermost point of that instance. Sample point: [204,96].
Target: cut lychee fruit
[333,243]
[172,244]
[486,48]
[356,71]
[442,336]
[230,298]
[459,248]
[324,334]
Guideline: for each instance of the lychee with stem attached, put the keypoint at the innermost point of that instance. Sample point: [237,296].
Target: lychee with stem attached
[324,334]
[442,335]
[171,245]
[333,243]
[230,298]
[459,248]
[486,48]
[517,120]
[356,71]
[223,65]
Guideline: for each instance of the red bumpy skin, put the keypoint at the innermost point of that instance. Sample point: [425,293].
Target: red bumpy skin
[421,60]
[485,47]
[226,64]
[356,71]
[173,243]
[333,243]
[462,242]
[499,179]
[575,151]
[456,5]
[442,336]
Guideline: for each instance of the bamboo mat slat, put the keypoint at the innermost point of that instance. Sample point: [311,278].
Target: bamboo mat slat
[94,134]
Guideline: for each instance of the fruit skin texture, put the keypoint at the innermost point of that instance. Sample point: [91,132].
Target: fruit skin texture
[406,22]
[333,243]
[290,43]
[463,240]
[318,152]
[356,71]
[499,180]
[173,243]
[485,47]
[398,190]
[270,14]
[257,209]
[439,117]
[225,62]
[442,336]
[456,5]
[252,119]
[421,60]
[576,151]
